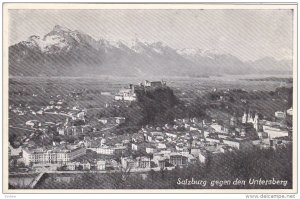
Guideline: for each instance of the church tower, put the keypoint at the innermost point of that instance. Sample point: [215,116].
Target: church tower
[250,118]
[245,118]
[256,122]
[233,120]
[66,122]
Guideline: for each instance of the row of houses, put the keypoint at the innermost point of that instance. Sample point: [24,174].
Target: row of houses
[115,120]
[170,159]
[55,155]
[100,165]
[118,149]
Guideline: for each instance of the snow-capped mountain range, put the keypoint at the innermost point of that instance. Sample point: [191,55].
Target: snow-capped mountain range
[64,52]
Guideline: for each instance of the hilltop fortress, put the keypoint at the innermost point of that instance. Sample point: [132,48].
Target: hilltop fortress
[129,94]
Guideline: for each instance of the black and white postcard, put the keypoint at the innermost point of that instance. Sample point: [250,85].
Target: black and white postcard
[149,98]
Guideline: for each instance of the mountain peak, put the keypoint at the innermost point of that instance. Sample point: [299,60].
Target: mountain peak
[60,28]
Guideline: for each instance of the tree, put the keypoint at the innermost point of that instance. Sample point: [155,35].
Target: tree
[152,173]
[120,177]
[21,164]
[162,173]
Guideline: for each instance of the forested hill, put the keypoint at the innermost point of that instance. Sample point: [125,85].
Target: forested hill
[157,104]
[157,107]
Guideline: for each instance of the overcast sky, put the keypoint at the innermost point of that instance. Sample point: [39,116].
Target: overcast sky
[247,34]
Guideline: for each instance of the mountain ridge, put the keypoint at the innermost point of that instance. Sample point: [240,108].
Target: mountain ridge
[64,52]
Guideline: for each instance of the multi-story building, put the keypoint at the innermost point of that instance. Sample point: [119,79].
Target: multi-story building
[110,150]
[52,156]
[178,160]
[203,155]
[195,151]
[105,150]
[241,144]
[150,150]
[61,130]
[280,114]
[154,83]
[126,94]
[213,140]
[134,147]
[101,165]
[144,162]
[127,162]
[139,162]
[86,166]
[159,160]
[274,131]
[290,111]
[120,120]
[71,166]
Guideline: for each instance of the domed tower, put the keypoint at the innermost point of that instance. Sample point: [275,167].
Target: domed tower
[102,142]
